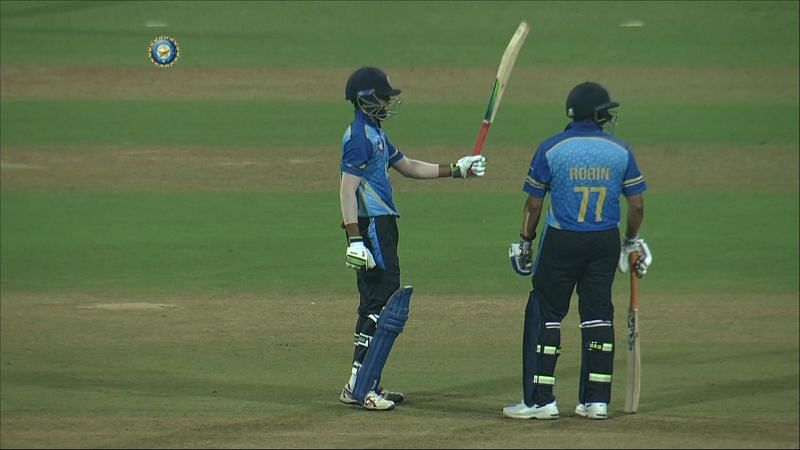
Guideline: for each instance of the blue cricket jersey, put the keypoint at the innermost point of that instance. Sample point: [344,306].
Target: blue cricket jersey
[367,153]
[585,170]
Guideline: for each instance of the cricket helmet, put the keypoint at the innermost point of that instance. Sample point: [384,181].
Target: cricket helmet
[590,100]
[369,90]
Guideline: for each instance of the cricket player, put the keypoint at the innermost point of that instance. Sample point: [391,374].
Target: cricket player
[585,170]
[369,217]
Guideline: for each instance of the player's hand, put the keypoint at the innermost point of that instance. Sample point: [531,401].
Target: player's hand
[358,256]
[469,166]
[643,261]
[521,256]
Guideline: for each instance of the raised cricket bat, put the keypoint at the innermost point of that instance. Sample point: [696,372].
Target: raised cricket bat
[633,386]
[500,82]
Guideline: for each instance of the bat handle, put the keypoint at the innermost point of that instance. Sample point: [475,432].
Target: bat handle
[481,138]
[634,281]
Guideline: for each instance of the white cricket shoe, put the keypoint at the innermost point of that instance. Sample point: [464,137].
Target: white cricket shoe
[597,411]
[346,396]
[375,402]
[523,411]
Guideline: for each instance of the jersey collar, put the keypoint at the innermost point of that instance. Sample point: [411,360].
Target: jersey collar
[583,125]
[366,119]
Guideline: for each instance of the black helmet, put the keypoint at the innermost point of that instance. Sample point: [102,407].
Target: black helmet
[367,81]
[369,90]
[589,100]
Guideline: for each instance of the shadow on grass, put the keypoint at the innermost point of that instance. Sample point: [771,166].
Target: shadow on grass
[167,386]
[469,399]
[720,390]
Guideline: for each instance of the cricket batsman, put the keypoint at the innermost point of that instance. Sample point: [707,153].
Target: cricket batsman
[369,217]
[585,170]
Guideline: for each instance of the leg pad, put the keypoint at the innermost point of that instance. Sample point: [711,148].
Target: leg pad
[391,323]
[597,361]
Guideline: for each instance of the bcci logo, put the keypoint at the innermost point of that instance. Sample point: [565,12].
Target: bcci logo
[163,51]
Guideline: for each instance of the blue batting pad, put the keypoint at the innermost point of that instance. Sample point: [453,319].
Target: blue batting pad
[390,324]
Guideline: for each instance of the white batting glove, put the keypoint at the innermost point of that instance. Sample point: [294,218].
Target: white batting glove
[521,256]
[469,166]
[644,260]
[358,256]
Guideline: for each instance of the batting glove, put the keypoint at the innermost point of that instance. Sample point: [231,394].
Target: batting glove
[521,255]
[643,261]
[469,166]
[358,256]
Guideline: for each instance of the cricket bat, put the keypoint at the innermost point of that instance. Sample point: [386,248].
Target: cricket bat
[500,82]
[633,386]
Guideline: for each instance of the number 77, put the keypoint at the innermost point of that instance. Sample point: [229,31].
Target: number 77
[585,192]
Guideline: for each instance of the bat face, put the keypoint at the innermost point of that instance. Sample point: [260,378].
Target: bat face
[506,64]
[511,52]
[633,329]
[503,72]
[633,387]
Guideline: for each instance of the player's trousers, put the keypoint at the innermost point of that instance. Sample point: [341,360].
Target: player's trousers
[566,261]
[375,286]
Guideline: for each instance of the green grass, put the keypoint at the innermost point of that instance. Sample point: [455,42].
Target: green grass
[286,124]
[291,242]
[404,33]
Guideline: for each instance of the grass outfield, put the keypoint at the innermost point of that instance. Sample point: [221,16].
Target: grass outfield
[171,269]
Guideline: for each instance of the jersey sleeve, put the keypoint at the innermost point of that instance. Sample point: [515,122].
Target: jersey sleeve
[537,183]
[394,153]
[634,182]
[355,154]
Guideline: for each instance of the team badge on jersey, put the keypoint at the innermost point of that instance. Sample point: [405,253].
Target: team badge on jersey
[163,51]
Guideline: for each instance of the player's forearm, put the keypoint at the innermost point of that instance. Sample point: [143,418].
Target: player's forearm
[349,209]
[352,230]
[531,213]
[445,170]
[635,216]
[413,168]
[347,197]
[426,170]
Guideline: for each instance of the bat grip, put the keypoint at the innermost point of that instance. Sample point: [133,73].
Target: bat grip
[481,138]
[634,281]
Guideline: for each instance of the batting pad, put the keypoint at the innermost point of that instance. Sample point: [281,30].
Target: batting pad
[390,324]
